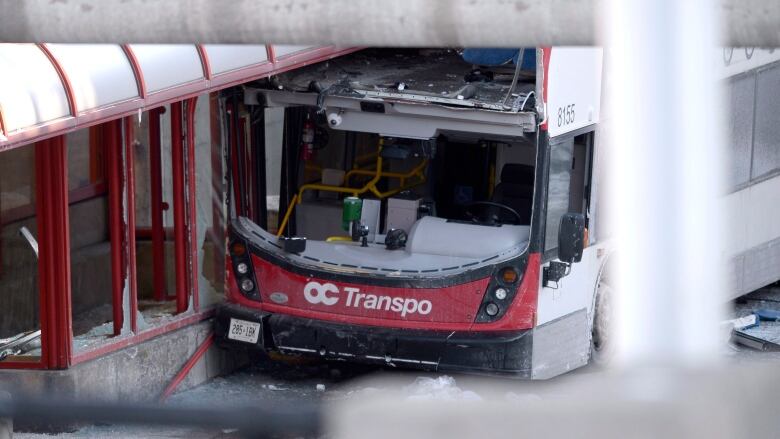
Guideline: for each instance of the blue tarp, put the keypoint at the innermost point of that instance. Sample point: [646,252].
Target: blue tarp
[500,57]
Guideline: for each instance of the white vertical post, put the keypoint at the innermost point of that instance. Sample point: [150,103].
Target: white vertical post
[6,424]
[664,124]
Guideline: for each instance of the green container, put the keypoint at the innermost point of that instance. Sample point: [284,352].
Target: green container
[352,208]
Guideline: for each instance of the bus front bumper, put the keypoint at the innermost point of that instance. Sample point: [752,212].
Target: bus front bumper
[476,352]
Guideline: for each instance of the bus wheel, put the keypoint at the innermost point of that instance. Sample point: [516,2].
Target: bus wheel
[602,339]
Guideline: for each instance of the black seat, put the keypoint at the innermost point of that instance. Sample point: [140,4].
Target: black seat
[516,190]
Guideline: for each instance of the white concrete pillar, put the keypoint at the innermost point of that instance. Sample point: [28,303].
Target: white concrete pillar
[6,424]
[664,123]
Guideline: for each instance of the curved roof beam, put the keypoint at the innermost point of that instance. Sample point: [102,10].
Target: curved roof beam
[204,60]
[66,84]
[139,74]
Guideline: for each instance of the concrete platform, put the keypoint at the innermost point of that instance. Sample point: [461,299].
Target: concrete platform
[136,373]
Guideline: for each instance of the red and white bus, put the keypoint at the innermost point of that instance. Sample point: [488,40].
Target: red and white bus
[478,245]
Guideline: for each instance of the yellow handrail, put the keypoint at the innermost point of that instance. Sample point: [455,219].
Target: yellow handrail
[287,215]
[357,163]
[418,171]
[338,238]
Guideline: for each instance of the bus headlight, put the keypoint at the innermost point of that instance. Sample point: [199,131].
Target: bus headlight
[247,285]
[491,309]
[242,268]
[500,293]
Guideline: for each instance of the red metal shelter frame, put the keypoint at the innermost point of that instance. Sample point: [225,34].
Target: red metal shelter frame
[139,74]
[51,175]
[115,227]
[192,217]
[130,229]
[179,223]
[52,200]
[2,122]
[158,230]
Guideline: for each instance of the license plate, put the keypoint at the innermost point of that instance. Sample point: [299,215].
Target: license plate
[242,330]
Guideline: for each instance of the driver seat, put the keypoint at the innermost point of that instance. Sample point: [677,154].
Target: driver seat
[516,190]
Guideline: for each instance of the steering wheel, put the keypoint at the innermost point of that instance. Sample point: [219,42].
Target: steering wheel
[487,213]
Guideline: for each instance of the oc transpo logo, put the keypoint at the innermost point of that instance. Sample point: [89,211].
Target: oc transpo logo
[315,293]
[329,294]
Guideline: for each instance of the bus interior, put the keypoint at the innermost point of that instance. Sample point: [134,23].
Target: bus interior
[391,162]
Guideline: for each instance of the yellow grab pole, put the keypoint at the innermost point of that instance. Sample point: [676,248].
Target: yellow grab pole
[287,215]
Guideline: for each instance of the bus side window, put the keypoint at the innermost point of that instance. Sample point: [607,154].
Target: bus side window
[581,167]
[558,187]
[569,185]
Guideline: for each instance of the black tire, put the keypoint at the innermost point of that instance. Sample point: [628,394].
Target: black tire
[602,346]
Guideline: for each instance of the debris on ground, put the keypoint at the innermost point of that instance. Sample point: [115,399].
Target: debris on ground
[744,322]
[757,320]
[443,387]
[271,387]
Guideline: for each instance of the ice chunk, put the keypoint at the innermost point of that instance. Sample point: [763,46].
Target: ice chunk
[443,387]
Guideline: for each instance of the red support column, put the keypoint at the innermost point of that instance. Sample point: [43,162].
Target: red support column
[113,140]
[130,209]
[158,230]
[192,202]
[2,122]
[51,190]
[269,50]
[179,208]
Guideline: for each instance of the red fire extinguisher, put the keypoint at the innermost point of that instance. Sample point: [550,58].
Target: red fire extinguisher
[307,140]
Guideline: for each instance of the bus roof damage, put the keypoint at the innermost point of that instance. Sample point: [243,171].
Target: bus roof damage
[412,93]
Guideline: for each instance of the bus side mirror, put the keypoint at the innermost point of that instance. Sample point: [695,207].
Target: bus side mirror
[571,237]
[571,243]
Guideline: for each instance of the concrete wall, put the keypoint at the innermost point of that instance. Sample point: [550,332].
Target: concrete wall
[137,373]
